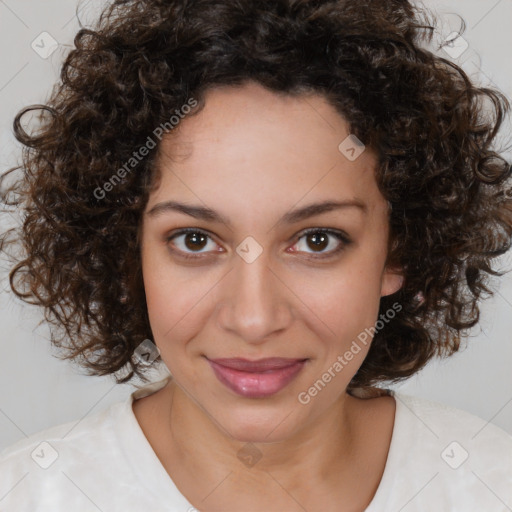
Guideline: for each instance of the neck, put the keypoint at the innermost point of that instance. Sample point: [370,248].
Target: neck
[322,447]
[340,455]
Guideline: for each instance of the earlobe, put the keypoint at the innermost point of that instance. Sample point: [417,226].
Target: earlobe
[391,282]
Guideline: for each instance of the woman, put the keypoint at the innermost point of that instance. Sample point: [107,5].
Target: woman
[288,204]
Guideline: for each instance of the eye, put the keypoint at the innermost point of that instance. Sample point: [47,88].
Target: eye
[190,243]
[191,239]
[320,239]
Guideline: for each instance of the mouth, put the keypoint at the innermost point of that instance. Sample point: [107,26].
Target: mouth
[256,379]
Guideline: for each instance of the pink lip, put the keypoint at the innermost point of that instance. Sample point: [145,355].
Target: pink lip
[256,379]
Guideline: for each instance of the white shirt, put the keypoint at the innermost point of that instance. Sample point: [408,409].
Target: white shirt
[440,459]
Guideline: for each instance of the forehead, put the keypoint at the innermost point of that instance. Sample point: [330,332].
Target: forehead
[253,147]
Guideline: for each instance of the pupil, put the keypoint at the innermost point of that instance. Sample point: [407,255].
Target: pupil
[196,239]
[320,241]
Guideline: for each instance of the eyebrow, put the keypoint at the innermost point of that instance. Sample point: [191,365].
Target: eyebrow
[293,216]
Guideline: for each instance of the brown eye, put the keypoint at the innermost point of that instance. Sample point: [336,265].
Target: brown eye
[317,241]
[190,243]
[323,242]
[195,241]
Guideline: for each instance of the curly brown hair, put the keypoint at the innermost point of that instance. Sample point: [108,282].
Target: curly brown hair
[431,127]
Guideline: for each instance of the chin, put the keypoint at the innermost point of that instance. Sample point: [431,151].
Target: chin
[258,424]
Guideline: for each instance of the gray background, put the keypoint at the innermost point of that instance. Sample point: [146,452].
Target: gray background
[37,390]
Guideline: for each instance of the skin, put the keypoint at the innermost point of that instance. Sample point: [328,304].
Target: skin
[253,156]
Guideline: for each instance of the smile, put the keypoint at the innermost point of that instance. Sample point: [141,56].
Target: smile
[256,379]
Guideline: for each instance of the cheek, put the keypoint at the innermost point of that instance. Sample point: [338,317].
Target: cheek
[166,295]
[178,300]
[346,300]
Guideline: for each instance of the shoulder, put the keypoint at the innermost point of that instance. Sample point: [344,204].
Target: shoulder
[99,462]
[97,428]
[446,457]
[45,465]
[433,420]
[70,435]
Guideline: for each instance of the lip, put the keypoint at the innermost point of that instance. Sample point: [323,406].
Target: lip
[259,378]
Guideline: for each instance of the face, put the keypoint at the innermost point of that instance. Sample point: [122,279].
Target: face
[261,296]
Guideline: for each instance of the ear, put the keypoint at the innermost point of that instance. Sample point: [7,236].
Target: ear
[392,280]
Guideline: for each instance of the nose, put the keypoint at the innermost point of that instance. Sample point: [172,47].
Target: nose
[255,303]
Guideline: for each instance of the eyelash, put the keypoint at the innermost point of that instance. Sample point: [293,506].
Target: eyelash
[342,237]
